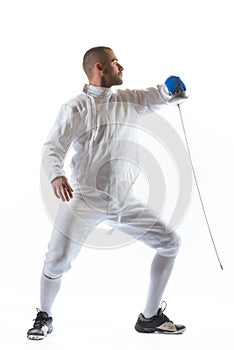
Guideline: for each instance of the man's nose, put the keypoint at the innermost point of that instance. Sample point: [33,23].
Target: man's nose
[121,68]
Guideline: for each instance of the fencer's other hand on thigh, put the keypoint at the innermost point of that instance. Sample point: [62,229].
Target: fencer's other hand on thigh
[62,188]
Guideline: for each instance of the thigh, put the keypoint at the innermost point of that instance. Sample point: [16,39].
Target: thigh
[77,219]
[74,222]
[144,224]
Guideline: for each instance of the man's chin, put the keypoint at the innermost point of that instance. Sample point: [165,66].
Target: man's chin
[120,82]
[116,83]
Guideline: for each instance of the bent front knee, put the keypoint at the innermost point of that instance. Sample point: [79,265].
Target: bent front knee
[170,248]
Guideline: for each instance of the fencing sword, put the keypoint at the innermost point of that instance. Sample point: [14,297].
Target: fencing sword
[177,100]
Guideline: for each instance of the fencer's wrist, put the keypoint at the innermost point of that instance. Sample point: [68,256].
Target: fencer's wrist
[165,93]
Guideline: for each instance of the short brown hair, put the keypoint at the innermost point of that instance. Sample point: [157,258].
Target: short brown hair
[92,56]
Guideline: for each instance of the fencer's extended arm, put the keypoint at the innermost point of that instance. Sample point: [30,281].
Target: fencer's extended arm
[147,100]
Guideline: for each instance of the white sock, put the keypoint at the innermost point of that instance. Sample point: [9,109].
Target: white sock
[49,290]
[160,272]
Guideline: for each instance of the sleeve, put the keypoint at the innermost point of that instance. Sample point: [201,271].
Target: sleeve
[149,99]
[58,142]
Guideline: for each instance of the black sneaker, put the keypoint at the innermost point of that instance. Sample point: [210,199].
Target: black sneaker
[159,323]
[42,326]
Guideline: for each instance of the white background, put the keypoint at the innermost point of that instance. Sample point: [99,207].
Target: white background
[42,45]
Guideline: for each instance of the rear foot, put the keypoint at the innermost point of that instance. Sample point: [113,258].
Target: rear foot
[41,327]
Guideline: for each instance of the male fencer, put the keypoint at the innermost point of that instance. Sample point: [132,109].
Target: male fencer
[97,124]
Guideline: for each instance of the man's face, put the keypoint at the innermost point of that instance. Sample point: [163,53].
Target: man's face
[112,70]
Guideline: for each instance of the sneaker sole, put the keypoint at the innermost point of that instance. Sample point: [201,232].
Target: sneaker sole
[36,337]
[39,337]
[158,330]
[181,331]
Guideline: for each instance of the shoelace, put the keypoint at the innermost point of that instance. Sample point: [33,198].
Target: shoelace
[161,310]
[39,320]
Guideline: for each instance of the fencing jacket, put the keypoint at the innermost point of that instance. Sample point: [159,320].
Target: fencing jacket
[101,126]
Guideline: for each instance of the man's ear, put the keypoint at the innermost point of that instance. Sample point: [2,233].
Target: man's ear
[99,66]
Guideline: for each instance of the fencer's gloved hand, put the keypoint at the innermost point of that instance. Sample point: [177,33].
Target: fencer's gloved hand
[175,85]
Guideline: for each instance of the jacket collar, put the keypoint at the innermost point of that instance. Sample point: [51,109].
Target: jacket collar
[97,91]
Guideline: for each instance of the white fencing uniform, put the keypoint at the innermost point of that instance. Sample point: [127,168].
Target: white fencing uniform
[100,125]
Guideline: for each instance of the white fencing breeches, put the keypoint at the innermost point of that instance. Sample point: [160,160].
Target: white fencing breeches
[76,220]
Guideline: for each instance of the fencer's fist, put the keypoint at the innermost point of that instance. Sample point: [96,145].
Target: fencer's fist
[175,85]
[62,188]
